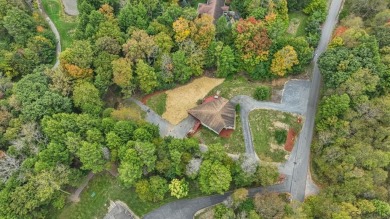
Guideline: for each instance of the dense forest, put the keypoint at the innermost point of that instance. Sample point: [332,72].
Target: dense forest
[351,153]
[55,125]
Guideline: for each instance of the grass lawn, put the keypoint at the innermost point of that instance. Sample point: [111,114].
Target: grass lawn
[302,18]
[106,187]
[157,103]
[128,110]
[263,125]
[236,86]
[234,145]
[65,24]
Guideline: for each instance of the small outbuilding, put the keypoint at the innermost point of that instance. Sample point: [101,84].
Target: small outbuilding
[216,113]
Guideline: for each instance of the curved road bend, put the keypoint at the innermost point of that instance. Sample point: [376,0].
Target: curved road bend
[302,157]
[186,208]
[54,30]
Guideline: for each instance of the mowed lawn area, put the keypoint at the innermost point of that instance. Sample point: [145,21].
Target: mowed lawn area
[264,124]
[234,144]
[94,200]
[238,85]
[66,25]
[158,103]
[298,22]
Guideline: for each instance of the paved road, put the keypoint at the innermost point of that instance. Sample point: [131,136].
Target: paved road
[54,30]
[186,208]
[166,129]
[302,155]
[294,100]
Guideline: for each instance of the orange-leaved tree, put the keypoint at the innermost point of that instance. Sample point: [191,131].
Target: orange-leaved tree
[77,59]
[251,41]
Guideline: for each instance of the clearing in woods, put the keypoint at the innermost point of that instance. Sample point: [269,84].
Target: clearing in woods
[183,98]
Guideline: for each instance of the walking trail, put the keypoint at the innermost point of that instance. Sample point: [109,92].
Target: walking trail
[75,196]
[54,30]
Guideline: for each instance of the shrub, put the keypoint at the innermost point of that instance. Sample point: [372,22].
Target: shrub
[238,108]
[280,136]
[262,93]
[107,112]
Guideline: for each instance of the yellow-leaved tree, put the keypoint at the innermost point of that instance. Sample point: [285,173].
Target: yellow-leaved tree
[182,29]
[203,31]
[284,60]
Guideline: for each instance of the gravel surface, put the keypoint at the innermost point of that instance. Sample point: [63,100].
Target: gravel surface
[70,7]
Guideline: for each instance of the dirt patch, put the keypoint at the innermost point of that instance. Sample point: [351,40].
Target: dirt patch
[290,140]
[183,98]
[279,82]
[274,147]
[293,27]
[280,125]
[339,31]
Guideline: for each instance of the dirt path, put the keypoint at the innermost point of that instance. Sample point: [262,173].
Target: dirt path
[75,196]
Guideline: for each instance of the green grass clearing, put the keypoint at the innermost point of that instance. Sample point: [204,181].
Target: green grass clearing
[128,110]
[263,125]
[239,85]
[66,25]
[106,187]
[298,22]
[234,145]
[157,103]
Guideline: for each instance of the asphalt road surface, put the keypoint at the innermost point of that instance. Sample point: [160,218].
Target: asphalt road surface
[302,157]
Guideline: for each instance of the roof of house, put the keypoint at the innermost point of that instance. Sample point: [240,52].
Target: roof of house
[214,8]
[216,115]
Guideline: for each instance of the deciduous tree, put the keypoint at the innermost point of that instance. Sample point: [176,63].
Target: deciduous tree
[182,28]
[214,177]
[91,155]
[203,30]
[225,62]
[19,25]
[146,77]
[140,46]
[122,72]
[77,59]
[251,41]
[284,60]
[86,97]
[179,188]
